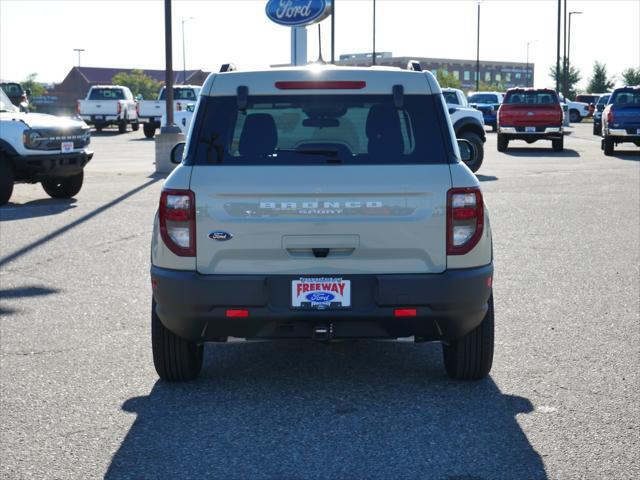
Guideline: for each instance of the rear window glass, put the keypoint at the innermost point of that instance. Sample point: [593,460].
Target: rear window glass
[631,98]
[483,98]
[451,98]
[318,129]
[603,100]
[106,94]
[180,94]
[531,98]
[12,88]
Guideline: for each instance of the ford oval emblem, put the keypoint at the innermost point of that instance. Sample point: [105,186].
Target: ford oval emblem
[220,236]
[298,13]
[320,297]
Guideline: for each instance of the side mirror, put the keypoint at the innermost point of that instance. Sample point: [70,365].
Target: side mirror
[452,110]
[177,152]
[28,92]
[467,152]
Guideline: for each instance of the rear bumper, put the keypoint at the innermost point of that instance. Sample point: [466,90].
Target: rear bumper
[516,133]
[37,167]
[448,305]
[96,120]
[634,133]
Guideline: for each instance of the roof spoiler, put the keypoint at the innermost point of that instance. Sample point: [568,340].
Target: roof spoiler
[227,67]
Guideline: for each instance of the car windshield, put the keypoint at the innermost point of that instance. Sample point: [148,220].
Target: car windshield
[483,98]
[180,94]
[531,98]
[5,103]
[628,98]
[303,129]
[604,99]
[106,94]
[13,89]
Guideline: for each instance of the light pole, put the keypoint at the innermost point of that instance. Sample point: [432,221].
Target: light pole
[528,73]
[569,46]
[79,50]
[184,59]
[478,52]
[565,75]
[558,50]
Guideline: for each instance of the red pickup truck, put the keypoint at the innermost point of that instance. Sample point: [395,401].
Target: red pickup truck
[530,114]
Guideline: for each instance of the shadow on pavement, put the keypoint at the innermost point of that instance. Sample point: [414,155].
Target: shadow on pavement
[37,208]
[22,292]
[632,155]
[56,233]
[486,178]
[307,410]
[107,133]
[142,139]
[540,152]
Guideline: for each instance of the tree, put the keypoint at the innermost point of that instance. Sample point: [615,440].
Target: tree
[447,80]
[574,77]
[631,76]
[598,83]
[138,82]
[30,83]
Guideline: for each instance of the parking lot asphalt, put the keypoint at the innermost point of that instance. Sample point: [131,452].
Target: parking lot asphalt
[80,398]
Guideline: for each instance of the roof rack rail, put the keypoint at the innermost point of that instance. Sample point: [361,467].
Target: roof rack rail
[227,67]
[414,65]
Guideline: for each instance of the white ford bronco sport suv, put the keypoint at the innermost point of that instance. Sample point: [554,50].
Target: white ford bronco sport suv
[321,203]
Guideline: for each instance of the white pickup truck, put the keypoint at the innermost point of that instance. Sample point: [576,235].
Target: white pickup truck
[109,105]
[151,111]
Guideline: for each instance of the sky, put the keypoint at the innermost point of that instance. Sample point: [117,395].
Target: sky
[38,36]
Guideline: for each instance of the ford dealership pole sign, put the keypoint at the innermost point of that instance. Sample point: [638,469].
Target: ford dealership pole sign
[298,13]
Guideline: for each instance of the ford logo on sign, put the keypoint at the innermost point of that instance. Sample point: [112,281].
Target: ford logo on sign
[220,236]
[320,297]
[298,13]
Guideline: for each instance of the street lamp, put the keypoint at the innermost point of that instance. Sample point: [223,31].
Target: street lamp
[569,47]
[478,52]
[184,60]
[528,73]
[79,50]
[373,57]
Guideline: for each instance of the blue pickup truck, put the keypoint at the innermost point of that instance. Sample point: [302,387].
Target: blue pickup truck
[621,118]
[488,103]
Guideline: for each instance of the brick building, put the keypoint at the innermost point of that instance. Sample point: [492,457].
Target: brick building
[62,98]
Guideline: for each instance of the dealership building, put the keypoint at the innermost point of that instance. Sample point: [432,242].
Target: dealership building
[505,74]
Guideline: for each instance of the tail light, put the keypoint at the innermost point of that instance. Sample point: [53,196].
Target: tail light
[78,107]
[465,219]
[609,116]
[177,217]
[118,108]
[178,107]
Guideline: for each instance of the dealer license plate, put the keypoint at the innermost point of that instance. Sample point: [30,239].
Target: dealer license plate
[99,117]
[530,129]
[320,293]
[66,147]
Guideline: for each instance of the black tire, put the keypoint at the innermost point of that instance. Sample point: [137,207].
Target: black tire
[478,147]
[608,147]
[98,128]
[122,126]
[135,126]
[574,116]
[557,144]
[7,178]
[494,128]
[149,130]
[503,143]
[597,130]
[63,187]
[471,357]
[175,359]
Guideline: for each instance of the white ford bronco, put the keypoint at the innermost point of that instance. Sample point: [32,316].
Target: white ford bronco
[325,203]
[40,148]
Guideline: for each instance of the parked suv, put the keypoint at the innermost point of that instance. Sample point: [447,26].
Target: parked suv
[322,204]
[468,123]
[35,147]
[597,114]
[488,103]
